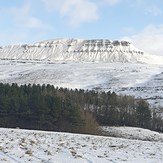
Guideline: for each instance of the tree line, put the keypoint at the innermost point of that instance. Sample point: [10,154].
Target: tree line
[60,109]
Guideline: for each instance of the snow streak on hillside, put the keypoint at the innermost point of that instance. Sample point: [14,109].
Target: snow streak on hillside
[19,146]
[78,50]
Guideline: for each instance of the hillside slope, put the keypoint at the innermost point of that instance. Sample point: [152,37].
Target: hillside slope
[139,80]
[78,50]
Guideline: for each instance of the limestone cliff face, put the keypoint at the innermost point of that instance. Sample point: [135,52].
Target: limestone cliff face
[98,50]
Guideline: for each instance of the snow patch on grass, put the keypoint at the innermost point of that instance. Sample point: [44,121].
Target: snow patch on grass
[133,133]
[17,146]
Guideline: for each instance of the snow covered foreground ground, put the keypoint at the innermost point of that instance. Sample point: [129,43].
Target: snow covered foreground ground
[19,146]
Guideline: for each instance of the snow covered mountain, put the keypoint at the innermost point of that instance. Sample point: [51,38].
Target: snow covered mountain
[78,50]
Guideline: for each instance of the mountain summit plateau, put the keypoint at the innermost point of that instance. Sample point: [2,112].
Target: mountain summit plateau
[97,50]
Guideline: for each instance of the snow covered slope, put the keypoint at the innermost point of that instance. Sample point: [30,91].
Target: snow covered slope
[132,133]
[19,146]
[139,80]
[78,50]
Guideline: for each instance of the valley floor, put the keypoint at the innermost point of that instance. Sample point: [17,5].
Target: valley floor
[20,146]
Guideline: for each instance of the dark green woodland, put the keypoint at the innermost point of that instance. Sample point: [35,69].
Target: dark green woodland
[82,111]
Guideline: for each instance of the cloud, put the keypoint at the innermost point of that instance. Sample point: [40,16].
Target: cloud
[36,23]
[147,6]
[149,40]
[21,25]
[153,10]
[77,11]
[112,2]
[22,17]
[9,37]
[20,36]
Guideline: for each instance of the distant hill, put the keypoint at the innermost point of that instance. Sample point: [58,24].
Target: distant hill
[98,50]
